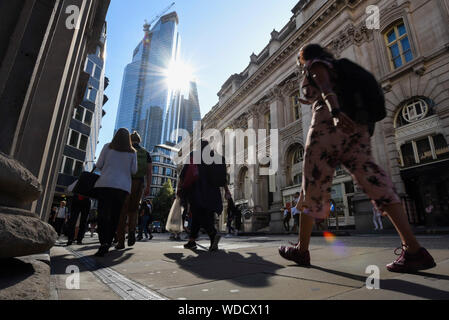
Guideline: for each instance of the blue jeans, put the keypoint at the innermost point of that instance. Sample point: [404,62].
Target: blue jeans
[144,226]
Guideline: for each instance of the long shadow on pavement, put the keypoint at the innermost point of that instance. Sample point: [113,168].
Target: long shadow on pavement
[399,285]
[114,257]
[252,271]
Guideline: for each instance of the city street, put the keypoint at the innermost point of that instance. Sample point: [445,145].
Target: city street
[247,268]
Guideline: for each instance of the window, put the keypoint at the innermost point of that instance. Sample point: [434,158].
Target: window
[415,110]
[72,167]
[349,187]
[155,169]
[78,169]
[89,67]
[441,147]
[91,94]
[68,166]
[73,139]
[78,140]
[408,156]
[424,150]
[79,113]
[83,142]
[156,159]
[88,117]
[98,52]
[97,73]
[296,107]
[83,115]
[398,45]
[169,172]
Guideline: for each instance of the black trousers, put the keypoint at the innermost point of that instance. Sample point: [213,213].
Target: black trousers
[78,207]
[59,222]
[110,203]
[202,218]
[287,223]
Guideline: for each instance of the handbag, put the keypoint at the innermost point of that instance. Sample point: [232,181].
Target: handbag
[174,220]
[86,183]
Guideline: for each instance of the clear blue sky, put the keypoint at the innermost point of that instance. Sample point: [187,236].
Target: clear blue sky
[217,38]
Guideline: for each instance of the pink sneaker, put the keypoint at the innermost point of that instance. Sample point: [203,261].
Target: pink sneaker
[293,254]
[407,262]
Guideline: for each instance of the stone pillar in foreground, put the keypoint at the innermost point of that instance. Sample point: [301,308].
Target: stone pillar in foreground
[41,80]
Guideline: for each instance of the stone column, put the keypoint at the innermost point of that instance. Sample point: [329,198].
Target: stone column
[40,83]
[276,111]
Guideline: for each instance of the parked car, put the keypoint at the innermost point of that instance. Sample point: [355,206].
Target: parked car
[157,227]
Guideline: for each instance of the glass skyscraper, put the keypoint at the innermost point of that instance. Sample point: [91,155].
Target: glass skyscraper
[183,111]
[145,96]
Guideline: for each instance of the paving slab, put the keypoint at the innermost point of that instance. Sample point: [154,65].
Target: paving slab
[250,288]
[90,287]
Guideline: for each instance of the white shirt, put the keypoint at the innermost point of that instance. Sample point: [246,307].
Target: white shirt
[116,169]
[61,213]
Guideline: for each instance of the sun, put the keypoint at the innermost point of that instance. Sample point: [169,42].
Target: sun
[178,76]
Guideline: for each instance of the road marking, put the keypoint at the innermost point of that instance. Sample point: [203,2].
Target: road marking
[122,286]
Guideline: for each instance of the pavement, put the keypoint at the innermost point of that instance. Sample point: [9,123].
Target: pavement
[246,268]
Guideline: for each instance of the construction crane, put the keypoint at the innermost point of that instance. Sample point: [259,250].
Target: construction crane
[148,24]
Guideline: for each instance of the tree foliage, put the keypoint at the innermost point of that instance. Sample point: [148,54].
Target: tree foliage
[162,202]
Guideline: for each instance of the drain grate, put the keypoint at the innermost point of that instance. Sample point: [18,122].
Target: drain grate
[122,286]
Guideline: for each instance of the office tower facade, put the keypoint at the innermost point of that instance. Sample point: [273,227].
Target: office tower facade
[85,123]
[145,96]
[164,168]
[183,112]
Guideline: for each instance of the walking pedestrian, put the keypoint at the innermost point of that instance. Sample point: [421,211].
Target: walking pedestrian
[51,219]
[334,138]
[237,219]
[287,216]
[145,214]
[430,218]
[377,219]
[61,217]
[142,178]
[117,162]
[230,217]
[295,213]
[93,218]
[197,185]
[79,205]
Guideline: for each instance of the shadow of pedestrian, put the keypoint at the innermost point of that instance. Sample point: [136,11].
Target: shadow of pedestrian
[246,271]
[399,285]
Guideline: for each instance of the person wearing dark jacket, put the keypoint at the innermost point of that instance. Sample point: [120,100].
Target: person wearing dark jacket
[80,205]
[204,199]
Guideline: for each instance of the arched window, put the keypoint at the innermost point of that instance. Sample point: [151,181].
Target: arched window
[412,111]
[398,44]
[294,169]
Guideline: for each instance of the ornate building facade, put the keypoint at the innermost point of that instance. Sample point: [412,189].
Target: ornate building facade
[405,44]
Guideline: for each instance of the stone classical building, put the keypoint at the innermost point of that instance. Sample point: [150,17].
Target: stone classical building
[43,50]
[405,44]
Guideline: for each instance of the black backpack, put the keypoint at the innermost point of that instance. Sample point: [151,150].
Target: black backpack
[360,96]
[216,174]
